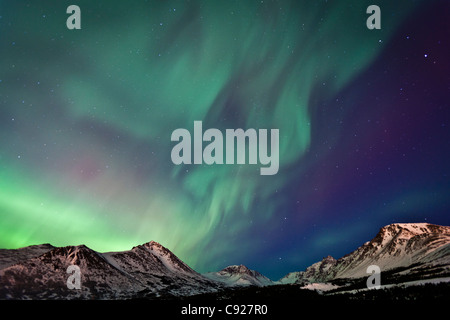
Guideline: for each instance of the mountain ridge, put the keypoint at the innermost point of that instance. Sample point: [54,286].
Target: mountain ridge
[239,275]
[397,245]
[146,271]
[151,271]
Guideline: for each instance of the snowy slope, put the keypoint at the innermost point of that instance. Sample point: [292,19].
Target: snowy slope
[397,245]
[415,247]
[157,268]
[317,272]
[149,270]
[292,277]
[45,276]
[239,276]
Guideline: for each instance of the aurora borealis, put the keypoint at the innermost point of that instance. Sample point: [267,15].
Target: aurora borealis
[86,118]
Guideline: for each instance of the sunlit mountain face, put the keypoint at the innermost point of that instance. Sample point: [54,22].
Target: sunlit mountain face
[86,118]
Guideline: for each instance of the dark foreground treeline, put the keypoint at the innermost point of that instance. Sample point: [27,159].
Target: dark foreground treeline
[280,301]
[426,293]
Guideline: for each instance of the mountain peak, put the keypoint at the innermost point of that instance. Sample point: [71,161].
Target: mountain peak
[237,269]
[73,255]
[70,249]
[407,231]
[167,257]
[153,244]
[239,275]
[417,227]
[328,259]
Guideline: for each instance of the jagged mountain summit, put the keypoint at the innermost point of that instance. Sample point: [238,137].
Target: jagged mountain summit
[239,275]
[146,271]
[416,248]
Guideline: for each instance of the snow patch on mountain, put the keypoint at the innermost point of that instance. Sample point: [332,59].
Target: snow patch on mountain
[320,286]
[292,277]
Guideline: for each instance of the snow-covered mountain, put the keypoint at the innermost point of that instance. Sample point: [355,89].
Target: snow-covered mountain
[405,251]
[318,272]
[291,277]
[45,276]
[416,248]
[160,271]
[239,276]
[399,245]
[148,270]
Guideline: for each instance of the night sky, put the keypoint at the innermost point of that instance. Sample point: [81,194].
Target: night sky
[86,118]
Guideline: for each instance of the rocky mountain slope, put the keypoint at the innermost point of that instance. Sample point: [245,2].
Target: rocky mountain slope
[239,276]
[8,257]
[405,252]
[148,270]
[410,248]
